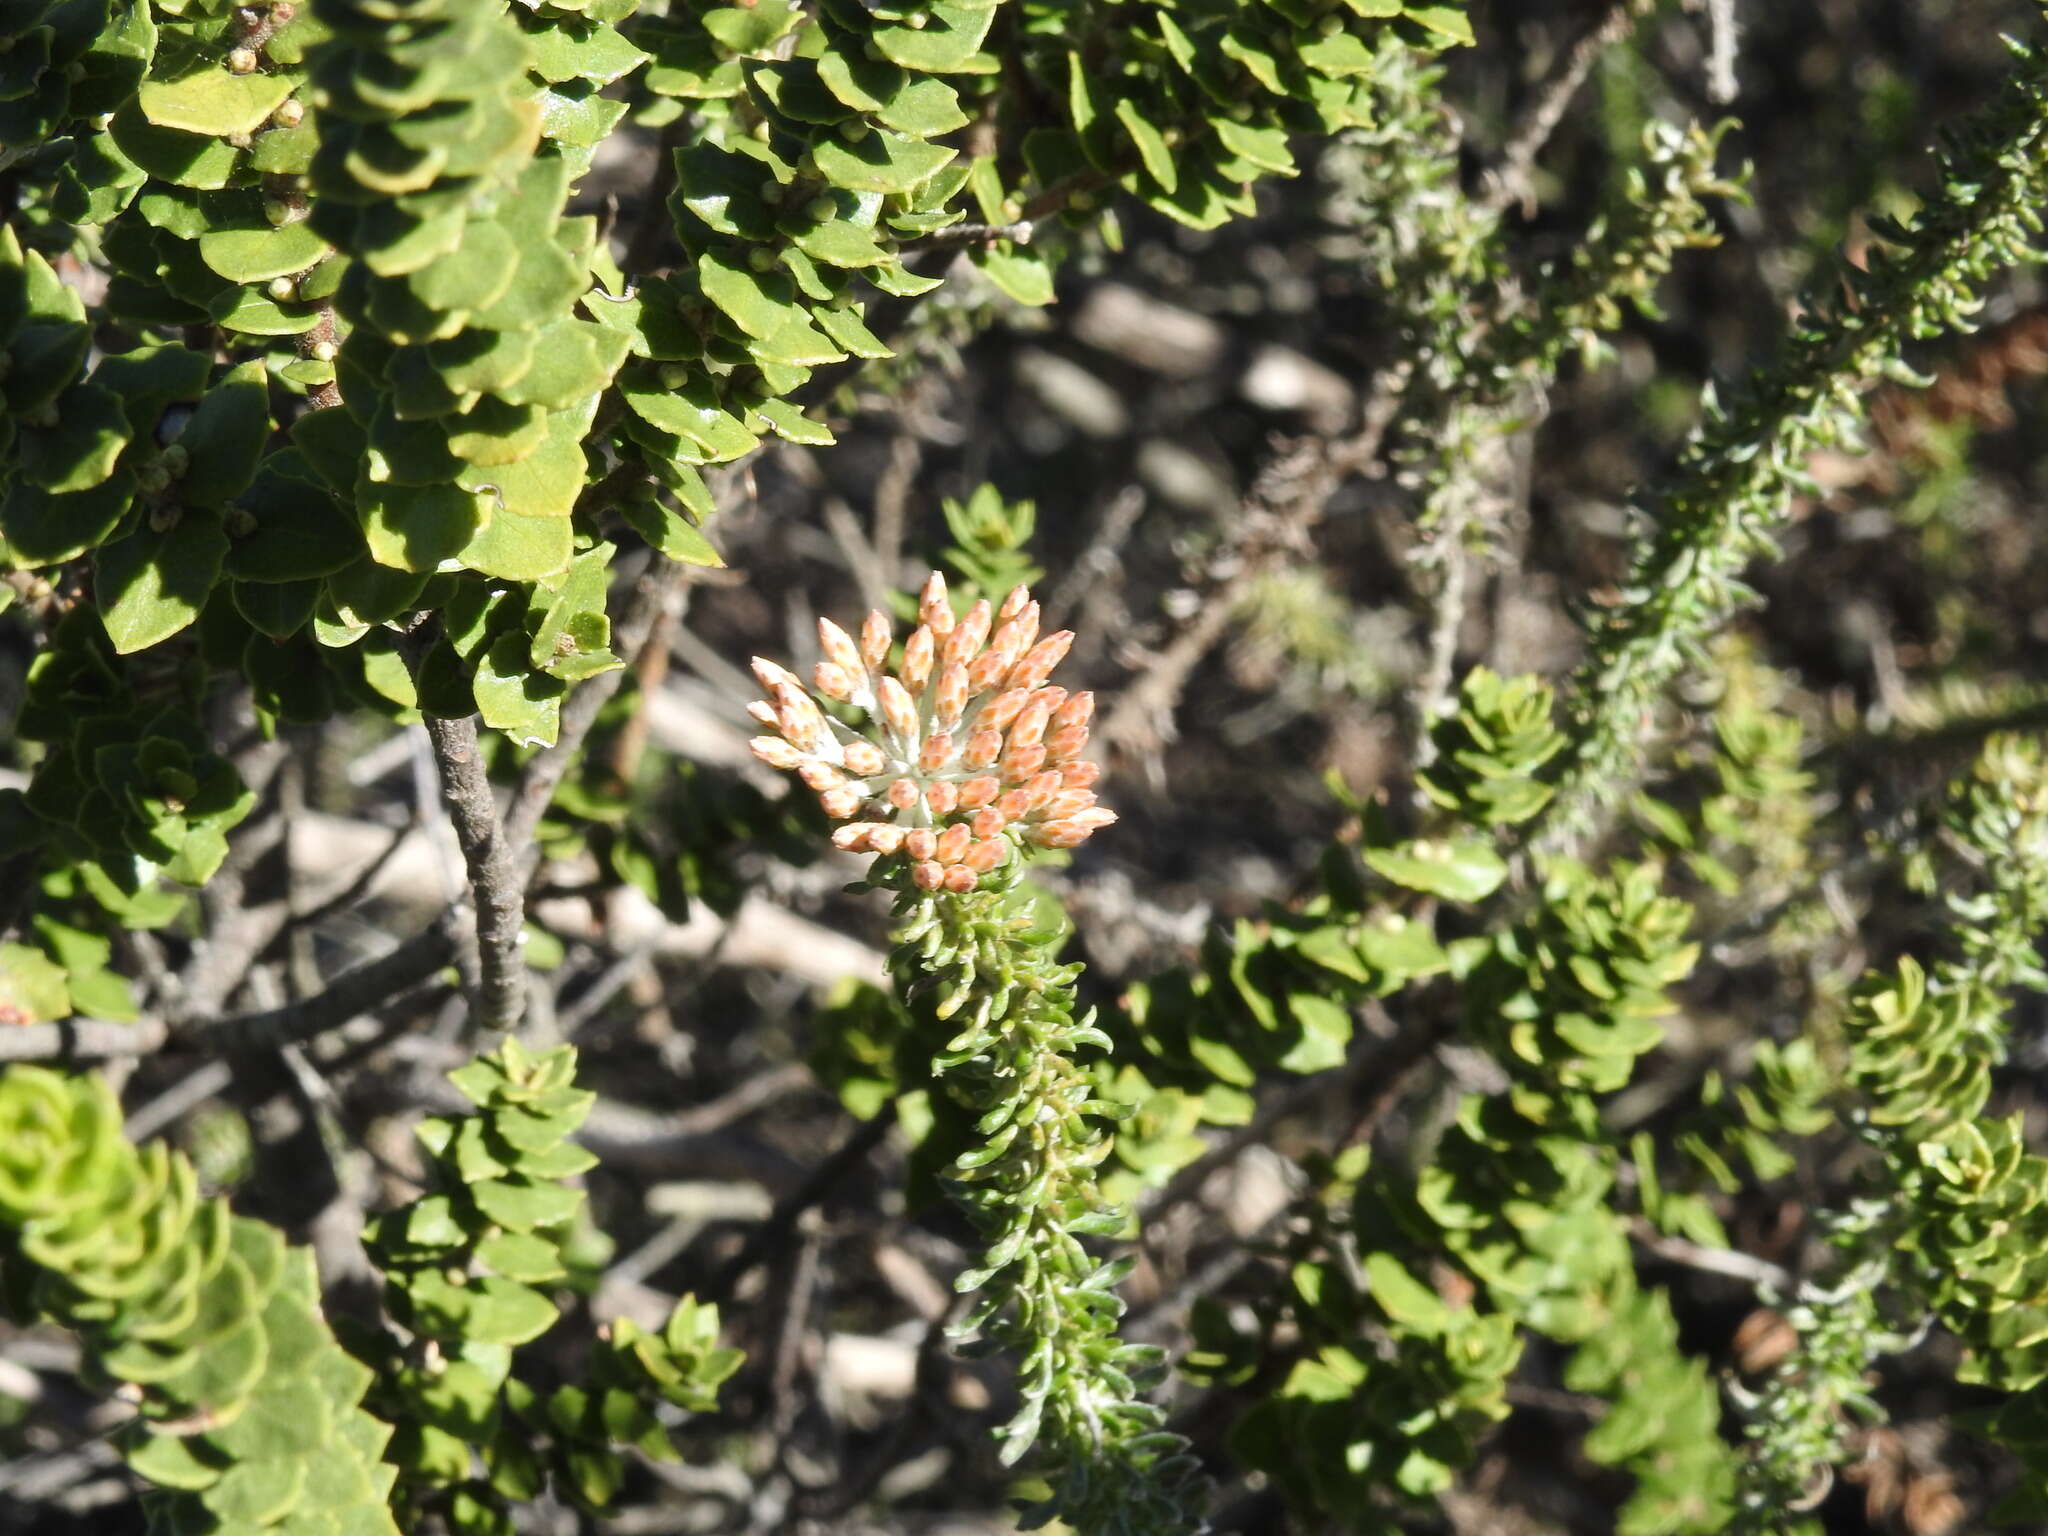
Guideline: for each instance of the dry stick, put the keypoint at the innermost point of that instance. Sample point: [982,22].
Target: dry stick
[496,889]
[769,1238]
[1286,501]
[351,994]
[1512,179]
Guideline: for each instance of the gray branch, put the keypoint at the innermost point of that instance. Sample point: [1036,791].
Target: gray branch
[495,877]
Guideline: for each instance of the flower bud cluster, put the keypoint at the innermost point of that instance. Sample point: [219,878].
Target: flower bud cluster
[966,756]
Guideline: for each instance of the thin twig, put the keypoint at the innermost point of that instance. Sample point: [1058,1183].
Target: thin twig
[768,1238]
[494,877]
[355,992]
[1512,179]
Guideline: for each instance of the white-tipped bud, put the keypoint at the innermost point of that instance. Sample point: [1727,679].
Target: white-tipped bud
[761,712]
[854,837]
[1080,775]
[936,752]
[885,839]
[1039,661]
[799,718]
[832,680]
[964,643]
[1014,604]
[820,776]
[979,791]
[1021,763]
[769,673]
[921,843]
[982,748]
[999,711]
[918,652]
[949,696]
[864,759]
[1028,729]
[942,797]
[1078,710]
[1068,803]
[839,648]
[841,803]
[933,610]
[874,639]
[988,821]
[903,794]
[1065,745]
[775,752]
[898,712]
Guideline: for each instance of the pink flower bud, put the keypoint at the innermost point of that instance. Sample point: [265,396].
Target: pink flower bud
[841,803]
[1029,727]
[949,698]
[799,718]
[953,843]
[853,837]
[936,752]
[1015,603]
[964,643]
[1043,786]
[988,669]
[903,794]
[929,876]
[921,842]
[932,608]
[988,821]
[874,639]
[839,648]
[1080,775]
[832,680]
[761,712]
[1067,743]
[1039,661]
[1068,803]
[983,747]
[1060,834]
[1020,763]
[960,880]
[1078,710]
[1015,804]
[979,791]
[999,711]
[864,759]
[942,797]
[885,839]
[770,674]
[820,776]
[918,652]
[985,855]
[898,712]
[775,752]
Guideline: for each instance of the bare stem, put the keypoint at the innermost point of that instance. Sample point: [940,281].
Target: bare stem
[494,875]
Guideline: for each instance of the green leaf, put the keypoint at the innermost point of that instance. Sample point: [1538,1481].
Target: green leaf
[1152,147]
[255,252]
[515,697]
[882,161]
[225,436]
[213,102]
[154,582]
[751,29]
[1464,871]
[521,1207]
[79,450]
[671,533]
